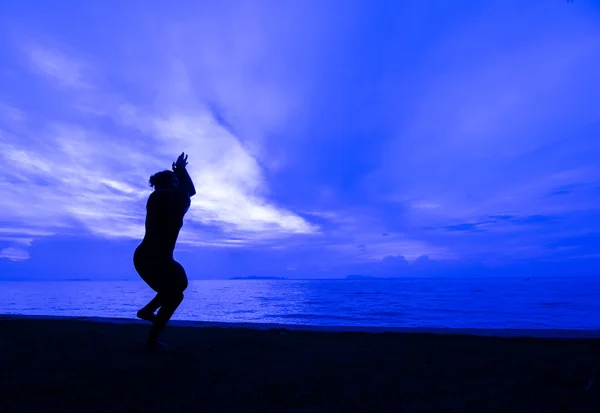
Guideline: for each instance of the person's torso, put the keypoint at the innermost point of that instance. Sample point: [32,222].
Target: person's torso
[164,218]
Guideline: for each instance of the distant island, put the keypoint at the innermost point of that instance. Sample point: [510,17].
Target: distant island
[254,277]
[359,277]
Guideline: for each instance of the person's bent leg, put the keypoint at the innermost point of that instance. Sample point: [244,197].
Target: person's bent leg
[171,297]
[169,304]
[147,313]
[151,271]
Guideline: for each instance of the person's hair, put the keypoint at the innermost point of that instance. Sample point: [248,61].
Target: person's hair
[162,179]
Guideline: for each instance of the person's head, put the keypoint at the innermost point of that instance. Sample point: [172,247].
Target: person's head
[163,180]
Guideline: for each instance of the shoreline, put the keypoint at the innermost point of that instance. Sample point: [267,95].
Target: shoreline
[93,364]
[499,333]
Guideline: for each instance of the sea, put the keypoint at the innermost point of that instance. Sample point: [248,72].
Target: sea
[506,303]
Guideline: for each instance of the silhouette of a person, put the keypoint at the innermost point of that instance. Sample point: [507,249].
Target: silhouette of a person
[153,258]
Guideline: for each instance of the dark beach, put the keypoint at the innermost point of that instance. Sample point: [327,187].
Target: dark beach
[69,365]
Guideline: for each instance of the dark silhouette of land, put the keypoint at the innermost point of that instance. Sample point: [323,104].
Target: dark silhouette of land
[77,366]
[257,277]
[360,277]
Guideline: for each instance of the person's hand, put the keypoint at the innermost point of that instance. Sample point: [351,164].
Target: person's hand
[181,161]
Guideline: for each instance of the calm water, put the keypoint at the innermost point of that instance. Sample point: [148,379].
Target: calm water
[463,303]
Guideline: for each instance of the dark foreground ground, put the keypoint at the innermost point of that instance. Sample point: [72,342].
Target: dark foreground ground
[75,366]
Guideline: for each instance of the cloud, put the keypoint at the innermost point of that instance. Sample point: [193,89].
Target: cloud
[565,190]
[470,227]
[355,235]
[17,251]
[227,177]
[14,254]
[72,177]
[502,221]
[473,139]
[64,70]
[493,125]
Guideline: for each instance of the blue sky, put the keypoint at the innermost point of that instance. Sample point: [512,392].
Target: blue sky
[433,138]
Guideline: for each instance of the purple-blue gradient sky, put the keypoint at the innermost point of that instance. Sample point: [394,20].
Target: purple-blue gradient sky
[325,138]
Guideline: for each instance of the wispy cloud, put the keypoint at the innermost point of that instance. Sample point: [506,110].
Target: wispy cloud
[14,254]
[502,127]
[351,142]
[63,69]
[70,176]
[229,179]
[361,235]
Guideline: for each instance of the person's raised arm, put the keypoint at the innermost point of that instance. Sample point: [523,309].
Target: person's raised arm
[182,175]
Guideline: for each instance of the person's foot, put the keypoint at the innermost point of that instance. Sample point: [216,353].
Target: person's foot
[146,315]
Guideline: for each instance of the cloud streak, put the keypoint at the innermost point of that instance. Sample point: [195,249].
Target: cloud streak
[382,135]
[72,177]
[64,70]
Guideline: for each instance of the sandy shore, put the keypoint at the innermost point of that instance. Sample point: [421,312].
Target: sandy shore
[52,364]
